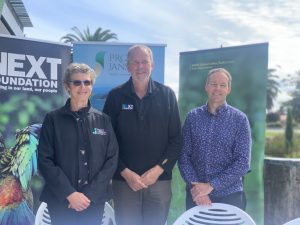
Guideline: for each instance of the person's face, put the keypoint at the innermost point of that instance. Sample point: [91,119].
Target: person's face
[140,65]
[217,88]
[80,87]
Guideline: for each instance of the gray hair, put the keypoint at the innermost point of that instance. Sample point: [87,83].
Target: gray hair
[74,68]
[215,70]
[143,47]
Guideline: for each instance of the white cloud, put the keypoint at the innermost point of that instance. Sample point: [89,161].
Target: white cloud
[183,25]
[276,22]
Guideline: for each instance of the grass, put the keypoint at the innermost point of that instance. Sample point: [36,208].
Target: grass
[275,144]
[178,196]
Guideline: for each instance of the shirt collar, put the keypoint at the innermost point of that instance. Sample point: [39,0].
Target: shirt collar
[149,89]
[67,107]
[220,110]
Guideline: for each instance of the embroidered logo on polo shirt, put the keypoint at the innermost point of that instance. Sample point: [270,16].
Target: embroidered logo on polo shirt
[99,131]
[127,107]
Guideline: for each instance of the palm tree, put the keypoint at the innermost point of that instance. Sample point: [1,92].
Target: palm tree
[294,102]
[273,88]
[99,35]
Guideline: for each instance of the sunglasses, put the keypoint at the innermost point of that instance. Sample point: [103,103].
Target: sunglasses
[77,83]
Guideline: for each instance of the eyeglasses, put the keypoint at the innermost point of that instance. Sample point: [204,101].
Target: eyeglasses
[77,83]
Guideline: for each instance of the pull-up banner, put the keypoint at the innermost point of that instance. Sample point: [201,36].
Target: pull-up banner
[30,81]
[109,60]
[31,84]
[248,66]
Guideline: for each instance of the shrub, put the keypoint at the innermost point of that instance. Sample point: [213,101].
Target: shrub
[275,145]
[272,117]
[277,124]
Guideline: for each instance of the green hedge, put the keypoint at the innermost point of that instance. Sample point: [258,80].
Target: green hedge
[275,145]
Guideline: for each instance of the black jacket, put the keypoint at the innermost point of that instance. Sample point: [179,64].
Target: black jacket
[147,133]
[58,152]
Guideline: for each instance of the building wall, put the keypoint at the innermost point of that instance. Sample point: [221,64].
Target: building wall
[10,23]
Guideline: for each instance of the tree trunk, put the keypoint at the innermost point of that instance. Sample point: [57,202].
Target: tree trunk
[282,190]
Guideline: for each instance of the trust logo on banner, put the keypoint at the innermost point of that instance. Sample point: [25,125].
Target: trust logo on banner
[100,62]
[114,62]
[99,131]
[127,107]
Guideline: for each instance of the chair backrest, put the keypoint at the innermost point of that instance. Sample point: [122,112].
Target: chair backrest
[108,215]
[293,222]
[43,218]
[217,214]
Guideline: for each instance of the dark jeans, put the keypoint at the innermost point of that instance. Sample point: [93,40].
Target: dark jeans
[61,215]
[237,199]
[149,206]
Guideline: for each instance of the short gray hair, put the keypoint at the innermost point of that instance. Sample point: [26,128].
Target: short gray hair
[144,47]
[74,68]
[215,70]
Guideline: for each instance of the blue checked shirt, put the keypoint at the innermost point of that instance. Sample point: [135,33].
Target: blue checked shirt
[216,149]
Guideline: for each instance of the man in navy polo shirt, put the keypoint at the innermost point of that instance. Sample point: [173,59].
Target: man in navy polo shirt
[145,117]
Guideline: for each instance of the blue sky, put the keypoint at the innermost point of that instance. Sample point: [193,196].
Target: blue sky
[184,25]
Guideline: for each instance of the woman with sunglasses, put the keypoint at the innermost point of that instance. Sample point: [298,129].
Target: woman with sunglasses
[77,154]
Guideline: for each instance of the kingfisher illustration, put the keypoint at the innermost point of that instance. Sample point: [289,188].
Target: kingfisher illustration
[17,166]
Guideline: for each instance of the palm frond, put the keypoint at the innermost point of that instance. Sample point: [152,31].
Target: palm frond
[86,35]
[79,33]
[70,38]
[273,87]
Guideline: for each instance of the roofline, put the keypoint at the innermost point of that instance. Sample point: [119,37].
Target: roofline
[21,12]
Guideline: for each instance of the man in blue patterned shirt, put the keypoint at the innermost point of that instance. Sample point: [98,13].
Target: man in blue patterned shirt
[216,147]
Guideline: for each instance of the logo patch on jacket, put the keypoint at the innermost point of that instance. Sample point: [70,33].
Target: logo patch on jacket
[99,131]
[127,107]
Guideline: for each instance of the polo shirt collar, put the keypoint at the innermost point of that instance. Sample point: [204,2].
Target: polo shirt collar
[149,89]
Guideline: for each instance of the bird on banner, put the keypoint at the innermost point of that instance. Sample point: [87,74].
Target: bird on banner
[17,166]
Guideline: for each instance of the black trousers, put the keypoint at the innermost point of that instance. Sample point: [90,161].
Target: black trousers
[61,215]
[237,199]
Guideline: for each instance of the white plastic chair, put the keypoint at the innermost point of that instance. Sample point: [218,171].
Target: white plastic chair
[43,218]
[108,215]
[293,222]
[216,214]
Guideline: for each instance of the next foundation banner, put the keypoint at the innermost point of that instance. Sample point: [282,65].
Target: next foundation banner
[31,84]
[31,73]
